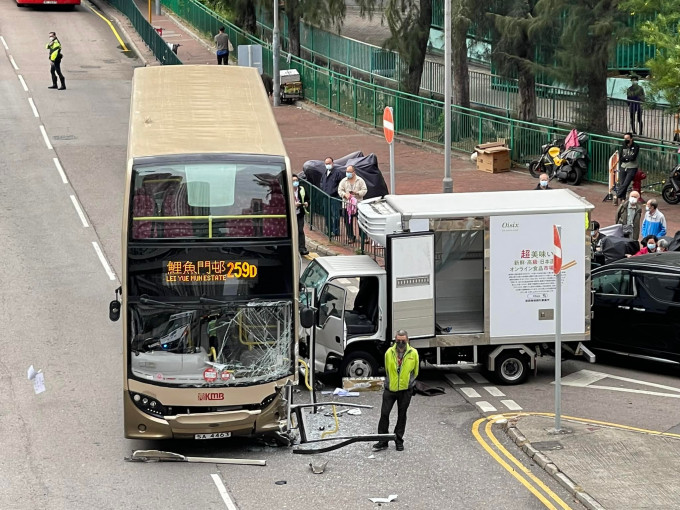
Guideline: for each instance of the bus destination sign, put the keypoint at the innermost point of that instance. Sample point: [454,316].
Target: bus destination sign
[208,271]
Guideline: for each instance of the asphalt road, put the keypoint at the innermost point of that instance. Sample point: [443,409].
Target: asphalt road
[64,448]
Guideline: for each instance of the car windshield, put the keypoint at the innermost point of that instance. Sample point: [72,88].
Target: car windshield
[313,278]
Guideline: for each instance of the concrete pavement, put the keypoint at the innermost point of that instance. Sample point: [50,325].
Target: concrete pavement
[602,465]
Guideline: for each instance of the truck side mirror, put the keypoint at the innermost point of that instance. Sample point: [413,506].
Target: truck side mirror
[114,307]
[307,317]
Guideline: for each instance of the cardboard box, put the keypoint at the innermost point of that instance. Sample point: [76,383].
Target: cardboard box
[363,383]
[289,76]
[493,157]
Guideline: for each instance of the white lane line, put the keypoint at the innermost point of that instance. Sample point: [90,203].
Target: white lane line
[47,140]
[485,406]
[14,64]
[470,392]
[4,43]
[512,405]
[107,268]
[23,83]
[479,378]
[79,210]
[223,491]
[494,392]
[60,170]
[35,110]
[454,379]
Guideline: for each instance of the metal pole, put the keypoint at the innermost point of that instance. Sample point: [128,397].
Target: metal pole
[393,183]
[158,7]
[448,182]
[275,51]
[558,346]
[150,12]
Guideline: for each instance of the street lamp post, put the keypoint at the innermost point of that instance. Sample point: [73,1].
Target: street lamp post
[275,51]
[448,181]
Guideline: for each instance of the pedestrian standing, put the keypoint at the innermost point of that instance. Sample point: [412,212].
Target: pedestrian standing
[352,190]
[635,95]
[222,45]
[629,214]
[55,55]
[330,180]
[401,369]
[543,182]
[300,211]
[654,223]
[628,166]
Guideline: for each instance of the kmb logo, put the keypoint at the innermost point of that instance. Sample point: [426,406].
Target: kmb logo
[211,396]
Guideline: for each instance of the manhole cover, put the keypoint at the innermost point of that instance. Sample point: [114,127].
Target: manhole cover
[547,445]
[64,137]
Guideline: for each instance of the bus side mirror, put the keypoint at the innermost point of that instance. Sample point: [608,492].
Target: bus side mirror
[307,317]
[114,307]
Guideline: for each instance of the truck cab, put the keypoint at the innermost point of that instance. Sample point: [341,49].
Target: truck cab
[349,330]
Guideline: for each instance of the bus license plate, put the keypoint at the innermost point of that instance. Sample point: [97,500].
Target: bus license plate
[50,2]
[214,435]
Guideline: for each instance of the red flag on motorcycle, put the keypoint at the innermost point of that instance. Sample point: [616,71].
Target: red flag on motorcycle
[557,250]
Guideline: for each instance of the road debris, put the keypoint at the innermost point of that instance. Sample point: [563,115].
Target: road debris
[319,468]
[38,379]
[388,499]
[161,456]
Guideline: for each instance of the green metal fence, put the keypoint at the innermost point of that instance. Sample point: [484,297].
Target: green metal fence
[153,40]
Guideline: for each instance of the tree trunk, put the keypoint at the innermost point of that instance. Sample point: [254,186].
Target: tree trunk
[459,64]
[249,18]
[293,31]
[527,96]
[421,35]
[597,102]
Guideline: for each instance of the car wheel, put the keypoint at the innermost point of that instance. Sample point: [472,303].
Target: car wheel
[359,364]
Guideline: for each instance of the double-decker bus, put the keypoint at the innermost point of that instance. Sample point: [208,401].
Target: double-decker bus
[209,293]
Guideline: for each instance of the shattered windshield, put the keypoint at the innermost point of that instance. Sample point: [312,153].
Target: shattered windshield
[235,344]
[313,278]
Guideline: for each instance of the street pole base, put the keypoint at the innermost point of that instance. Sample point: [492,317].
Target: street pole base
[448,185]
[559,432]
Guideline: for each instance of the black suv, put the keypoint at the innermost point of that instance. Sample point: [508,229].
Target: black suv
[636,306]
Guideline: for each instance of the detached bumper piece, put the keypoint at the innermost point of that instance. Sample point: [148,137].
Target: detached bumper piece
[160,456]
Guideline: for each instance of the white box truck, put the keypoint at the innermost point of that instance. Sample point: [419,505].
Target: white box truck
[469,276]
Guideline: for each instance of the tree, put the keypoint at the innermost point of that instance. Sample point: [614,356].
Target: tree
[588,37]
[660,29]
[241,11]
[460,25]
[322,13]
[520,34]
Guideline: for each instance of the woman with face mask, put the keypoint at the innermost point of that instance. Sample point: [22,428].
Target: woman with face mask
[649,244]
[352,190]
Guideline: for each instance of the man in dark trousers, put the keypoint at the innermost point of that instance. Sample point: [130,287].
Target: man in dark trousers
[628,166]
[55,56]
[330,180]
[401,369]
[635,95]
[300,210]
[222,48]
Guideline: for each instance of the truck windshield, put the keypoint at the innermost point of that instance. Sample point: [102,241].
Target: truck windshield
[313,277]
[235,344]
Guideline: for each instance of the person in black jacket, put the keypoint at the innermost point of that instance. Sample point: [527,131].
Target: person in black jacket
[330,180]
[628,166]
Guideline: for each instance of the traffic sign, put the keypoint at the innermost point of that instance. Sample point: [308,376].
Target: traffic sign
[388,124]
[557,250]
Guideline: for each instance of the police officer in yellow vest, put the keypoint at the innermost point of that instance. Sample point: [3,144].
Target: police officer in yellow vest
[401,368]
[54,48]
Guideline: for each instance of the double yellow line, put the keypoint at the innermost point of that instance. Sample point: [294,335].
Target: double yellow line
[522,473]
[122,44]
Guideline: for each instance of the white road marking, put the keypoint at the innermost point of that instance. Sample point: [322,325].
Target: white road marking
[485,406]
[60,170]
[14,64]
[102,259]
[47,140]
[23,83]
[223,491]
[470,392]
[582,378]
[4,43]
[494,392]
[479,378]
[35,110]
[512,405]
[453,379]
[79,210]
[596,376]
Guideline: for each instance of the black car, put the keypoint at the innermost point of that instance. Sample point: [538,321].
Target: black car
[636,306]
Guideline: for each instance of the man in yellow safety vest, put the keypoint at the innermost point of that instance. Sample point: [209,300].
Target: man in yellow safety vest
[55,55]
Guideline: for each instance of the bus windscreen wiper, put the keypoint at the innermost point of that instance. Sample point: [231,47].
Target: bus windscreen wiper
[146,300]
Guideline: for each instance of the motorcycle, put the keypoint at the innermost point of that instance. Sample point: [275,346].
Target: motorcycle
[671,190]
[566,165]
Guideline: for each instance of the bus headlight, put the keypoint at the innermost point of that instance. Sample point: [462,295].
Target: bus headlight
[149,405]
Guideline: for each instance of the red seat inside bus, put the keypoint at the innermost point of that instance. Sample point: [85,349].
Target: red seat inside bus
[142,206]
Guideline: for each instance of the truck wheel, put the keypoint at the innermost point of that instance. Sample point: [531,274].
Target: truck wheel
[511,367]
[359,364]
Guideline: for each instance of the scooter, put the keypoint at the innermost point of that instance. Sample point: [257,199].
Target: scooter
[671,190]
[568,165]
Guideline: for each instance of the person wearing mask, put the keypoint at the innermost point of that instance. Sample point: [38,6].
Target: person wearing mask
[648,246]
[596,237]
[401,369]
[629,214]
[635,95]
[330,180]
[628,166]
[300,211]
[352,190]
[222,47]
[543,182]
[662,245]
[654,222]
[55,56]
